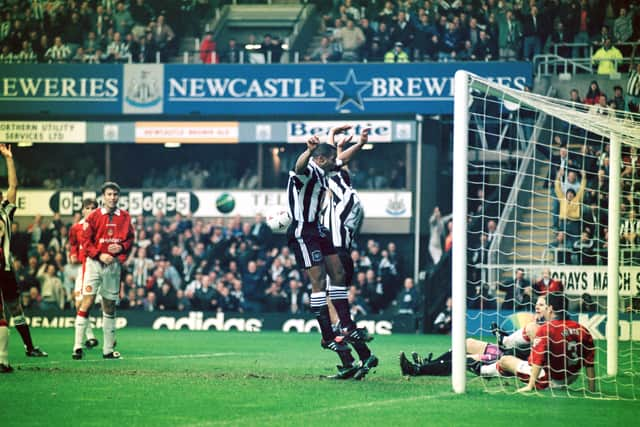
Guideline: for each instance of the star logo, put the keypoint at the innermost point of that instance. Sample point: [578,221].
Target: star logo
[350,91]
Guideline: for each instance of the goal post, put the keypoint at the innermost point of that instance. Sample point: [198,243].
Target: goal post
[507,196]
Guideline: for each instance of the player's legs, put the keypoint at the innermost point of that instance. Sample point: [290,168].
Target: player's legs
[110,291]
[5,368]
[475,347]
[513,366]
[9,288]
[91,340]
[109,328]
[82,320]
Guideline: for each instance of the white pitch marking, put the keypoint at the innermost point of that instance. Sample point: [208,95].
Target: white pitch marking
[99,359]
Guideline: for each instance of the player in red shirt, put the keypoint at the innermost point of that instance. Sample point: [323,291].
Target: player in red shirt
[106,239]
[76,263]
[560,349]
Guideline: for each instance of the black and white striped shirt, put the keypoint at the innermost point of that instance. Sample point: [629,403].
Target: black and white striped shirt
[633,84]
[7,209]
[305,193]
[343,211]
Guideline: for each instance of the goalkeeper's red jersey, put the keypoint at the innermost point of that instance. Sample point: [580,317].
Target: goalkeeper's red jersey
[562,348]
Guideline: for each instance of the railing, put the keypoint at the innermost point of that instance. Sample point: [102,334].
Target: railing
[553,63]
[491,275]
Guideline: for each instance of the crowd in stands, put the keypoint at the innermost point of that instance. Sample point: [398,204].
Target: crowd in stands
[96,31]
[208,265]
[474,30]
[224,167]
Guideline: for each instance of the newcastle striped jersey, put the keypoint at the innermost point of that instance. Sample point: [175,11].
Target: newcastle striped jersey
[7,209]
[343,211]
[633,84]
[305,193]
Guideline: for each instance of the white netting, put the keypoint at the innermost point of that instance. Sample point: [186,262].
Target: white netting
[538,203]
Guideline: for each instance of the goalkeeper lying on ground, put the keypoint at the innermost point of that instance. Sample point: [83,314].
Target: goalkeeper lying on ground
[481,356]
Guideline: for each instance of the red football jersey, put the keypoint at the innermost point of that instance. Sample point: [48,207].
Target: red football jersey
[562,348]
[75,241]
[101,229]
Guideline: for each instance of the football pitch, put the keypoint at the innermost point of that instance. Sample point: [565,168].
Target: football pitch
[184,378]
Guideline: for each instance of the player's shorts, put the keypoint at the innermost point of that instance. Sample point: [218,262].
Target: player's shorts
[102,279]
[310,243]
[8,286]
[491,353]
[543,381]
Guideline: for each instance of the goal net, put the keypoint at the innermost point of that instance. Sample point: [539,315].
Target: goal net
[546,196]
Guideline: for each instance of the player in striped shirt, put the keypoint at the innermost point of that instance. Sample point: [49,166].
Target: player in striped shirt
[311,243]
[342,215]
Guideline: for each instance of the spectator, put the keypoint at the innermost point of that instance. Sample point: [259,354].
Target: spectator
[208,54]
[442,324]
[167,298]
[358,308]
[570,213]
[232,54]
[633,85]
[275,298]
[519,293]
[142,16]
[53,295]
[593,94]
[297,298]
[618,98]
[607,58]
[559,38]
[351,38]
[58,53]
[585,249]
[122,20]
[408,301]
[164,37]
[532,34]
[271,47]
[546,284]
[509,34]
[403,31]
[436,233]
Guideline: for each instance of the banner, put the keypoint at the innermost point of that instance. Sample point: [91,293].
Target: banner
[580,279]
[478,323]
[241,90]
[210,321]
[201,203]
[34,131]
[187,132]
[301,131]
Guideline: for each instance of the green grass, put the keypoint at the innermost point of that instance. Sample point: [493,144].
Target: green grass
[245,379]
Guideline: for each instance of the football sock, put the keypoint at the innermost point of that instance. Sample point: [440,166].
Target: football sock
[81,322]
[338,295]
[362,349]
[23,330]
[516,339]
[346,358]
[88,331]
[4,342]
[109,332]
[320,308]
[489,370]
[444,357]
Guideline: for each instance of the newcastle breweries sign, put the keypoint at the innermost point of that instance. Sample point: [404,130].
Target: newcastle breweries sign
[241,90]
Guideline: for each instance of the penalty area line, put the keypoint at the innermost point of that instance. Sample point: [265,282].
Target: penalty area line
[359,405]
[125,358]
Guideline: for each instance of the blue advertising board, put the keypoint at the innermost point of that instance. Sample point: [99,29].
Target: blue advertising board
[242,90]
